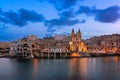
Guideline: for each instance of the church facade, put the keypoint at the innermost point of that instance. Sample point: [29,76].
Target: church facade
[76,43]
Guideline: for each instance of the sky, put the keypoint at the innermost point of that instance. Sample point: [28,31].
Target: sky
[45,18]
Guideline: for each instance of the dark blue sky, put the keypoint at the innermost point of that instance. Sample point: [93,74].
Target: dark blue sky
[19,18]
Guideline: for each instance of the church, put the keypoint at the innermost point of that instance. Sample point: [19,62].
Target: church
[76,43]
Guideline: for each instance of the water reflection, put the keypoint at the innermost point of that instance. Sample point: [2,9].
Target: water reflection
[116,59]
[35,68]
[78,68]
[100,68]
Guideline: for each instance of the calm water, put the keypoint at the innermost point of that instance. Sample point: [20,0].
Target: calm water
[100,68]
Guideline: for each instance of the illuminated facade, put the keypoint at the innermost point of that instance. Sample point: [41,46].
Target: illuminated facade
[4,47]
[24,48]
[104,44]
[76,43]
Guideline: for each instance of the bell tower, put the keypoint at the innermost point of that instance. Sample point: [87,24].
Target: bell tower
[73,34]
[78,35]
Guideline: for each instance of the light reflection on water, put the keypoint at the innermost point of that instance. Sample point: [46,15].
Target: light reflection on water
[99,68]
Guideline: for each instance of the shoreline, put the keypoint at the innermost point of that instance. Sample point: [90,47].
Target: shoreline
[91,56]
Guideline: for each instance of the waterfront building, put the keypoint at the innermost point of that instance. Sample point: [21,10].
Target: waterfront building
[5,47]
[104,44]
[35,44]
[32,37]
[57,46]
[24,48]
[76,43]
[13,49]
[39,47]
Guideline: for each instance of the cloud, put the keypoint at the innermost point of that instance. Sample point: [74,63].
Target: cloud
[68,13]
[31,16]
[3,27]
[20,18]
[67,18]
[108,15]
[84,9]
[55,24]
[62,4]
[62,22]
